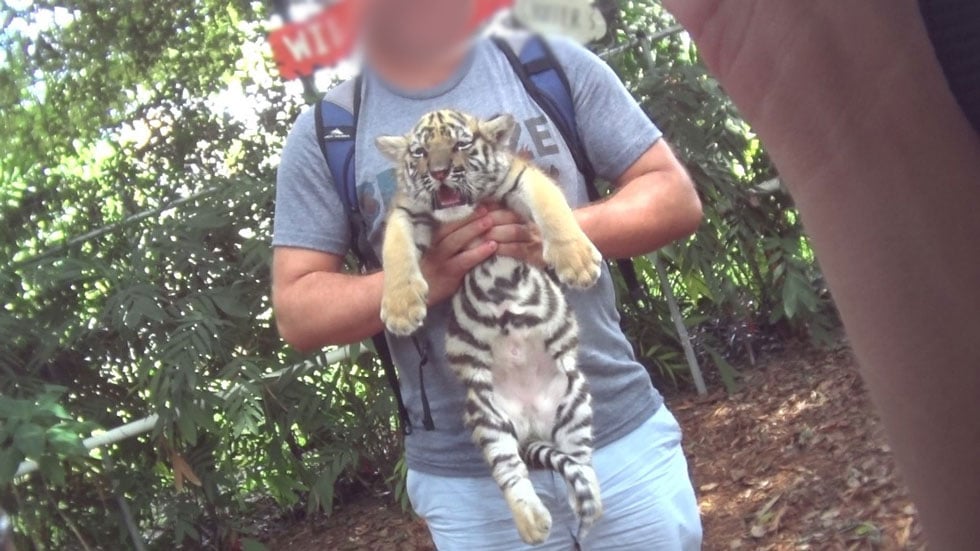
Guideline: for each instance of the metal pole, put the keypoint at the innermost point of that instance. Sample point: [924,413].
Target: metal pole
[98,232]
[606,54]
[124,510]
[675,315]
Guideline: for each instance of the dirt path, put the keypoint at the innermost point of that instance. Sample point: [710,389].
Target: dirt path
[796,460]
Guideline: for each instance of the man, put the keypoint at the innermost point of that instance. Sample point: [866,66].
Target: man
[418,58]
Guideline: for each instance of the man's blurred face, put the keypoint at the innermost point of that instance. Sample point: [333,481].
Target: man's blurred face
[417,29]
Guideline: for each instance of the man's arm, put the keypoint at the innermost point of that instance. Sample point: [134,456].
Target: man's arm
[317,305]
[655,203]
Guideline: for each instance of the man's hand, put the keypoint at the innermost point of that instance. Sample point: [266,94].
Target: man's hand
[515,236]
[459,246]
[456,248]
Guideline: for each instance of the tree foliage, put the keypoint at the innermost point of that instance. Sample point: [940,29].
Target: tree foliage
[120,124]
[749,270]
[136,199]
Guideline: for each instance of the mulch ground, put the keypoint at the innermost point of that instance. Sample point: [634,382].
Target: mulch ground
[795,460]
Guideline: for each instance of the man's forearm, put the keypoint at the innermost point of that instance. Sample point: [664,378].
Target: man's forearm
[645,214]
[324,308]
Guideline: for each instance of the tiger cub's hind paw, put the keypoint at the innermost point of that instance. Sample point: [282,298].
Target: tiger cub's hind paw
[533,521]
[403,307]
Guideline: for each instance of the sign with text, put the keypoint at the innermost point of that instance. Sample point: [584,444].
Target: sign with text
[328,37]
[320,41]
[577,19]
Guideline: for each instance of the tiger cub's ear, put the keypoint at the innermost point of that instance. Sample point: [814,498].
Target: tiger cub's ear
[499,130]
[392,147]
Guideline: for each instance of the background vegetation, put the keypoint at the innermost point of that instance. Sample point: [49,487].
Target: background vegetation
[137,166]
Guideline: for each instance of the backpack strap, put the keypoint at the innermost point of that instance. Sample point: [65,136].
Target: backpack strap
[546,82]
[336,133]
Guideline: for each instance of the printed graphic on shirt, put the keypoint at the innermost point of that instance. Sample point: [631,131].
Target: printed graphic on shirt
[539,132]
[532,140]
[374,198]
[375,195]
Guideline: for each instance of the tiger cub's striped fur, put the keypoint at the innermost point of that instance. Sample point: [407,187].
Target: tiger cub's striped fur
[512,337]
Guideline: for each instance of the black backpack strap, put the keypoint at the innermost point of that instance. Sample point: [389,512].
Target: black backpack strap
[546,82]
[336,133]
[384,354]
[423,351]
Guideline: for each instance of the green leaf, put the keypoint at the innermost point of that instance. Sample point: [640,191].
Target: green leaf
[51,469]
[64,441]
[778,271]
[230,303]
[10,459]
[148,309]
[30,439]
[60,412]
[727,372]
[12,408]
[187,427]
[321,493]
[131,319]
[790,302]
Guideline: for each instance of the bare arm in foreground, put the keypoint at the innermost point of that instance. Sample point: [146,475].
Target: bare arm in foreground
[885,169]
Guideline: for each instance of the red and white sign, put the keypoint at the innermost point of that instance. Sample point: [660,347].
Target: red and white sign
[328,37]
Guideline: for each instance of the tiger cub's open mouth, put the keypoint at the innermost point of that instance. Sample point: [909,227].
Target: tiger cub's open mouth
[447,197]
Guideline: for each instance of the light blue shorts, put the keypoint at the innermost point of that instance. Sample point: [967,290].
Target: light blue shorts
[646,492]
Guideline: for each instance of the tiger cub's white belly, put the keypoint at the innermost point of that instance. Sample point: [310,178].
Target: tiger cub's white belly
[528,384]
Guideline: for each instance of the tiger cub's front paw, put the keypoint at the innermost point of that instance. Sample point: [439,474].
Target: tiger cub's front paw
[576,262]
[403,305]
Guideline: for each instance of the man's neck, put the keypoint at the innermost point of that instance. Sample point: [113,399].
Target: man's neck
[411,72]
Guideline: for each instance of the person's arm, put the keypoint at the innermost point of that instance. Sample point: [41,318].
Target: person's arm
[308,286]
[885,170]
[315,304]
[655,203]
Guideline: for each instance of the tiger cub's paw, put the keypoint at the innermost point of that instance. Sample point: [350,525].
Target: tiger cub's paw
[403,305]
[533,521]
[576,262]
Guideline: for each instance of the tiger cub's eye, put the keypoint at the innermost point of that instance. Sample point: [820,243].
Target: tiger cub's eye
[418,152]
[463,145]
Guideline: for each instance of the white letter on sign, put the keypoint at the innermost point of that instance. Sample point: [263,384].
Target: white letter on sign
[299,46]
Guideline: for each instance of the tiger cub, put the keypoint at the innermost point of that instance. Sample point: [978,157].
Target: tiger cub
[512,337]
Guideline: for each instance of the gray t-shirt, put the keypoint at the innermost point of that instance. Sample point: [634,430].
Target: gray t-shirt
[614,131]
